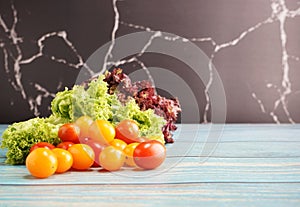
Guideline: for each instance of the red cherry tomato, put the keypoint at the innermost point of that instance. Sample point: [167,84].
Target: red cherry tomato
[128,131]
[149,155]
[69,133]
[42,145]
[97,148]
[65,145]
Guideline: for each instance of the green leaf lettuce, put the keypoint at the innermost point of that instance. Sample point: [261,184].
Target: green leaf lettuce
[19,137]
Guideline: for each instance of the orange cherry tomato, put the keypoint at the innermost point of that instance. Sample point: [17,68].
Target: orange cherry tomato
[83,156]
[96,146]
[102,131]
[41,163]
[64,158]
[128,151]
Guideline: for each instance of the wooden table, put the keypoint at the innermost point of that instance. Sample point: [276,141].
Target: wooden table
[251,165]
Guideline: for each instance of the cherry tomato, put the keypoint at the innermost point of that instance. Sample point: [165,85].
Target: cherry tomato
[102,131]
[83,156]
[84,122]
[128,131]
[65,145]
[118,143]
[149,154]
[64,158]
[128,151]
[42,145]
[96,146]
[111,158]
[69,132]
[41,163]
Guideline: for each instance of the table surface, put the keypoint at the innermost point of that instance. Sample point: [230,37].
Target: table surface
[248,165]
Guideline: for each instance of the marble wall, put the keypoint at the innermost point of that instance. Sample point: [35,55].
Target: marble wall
[253,44]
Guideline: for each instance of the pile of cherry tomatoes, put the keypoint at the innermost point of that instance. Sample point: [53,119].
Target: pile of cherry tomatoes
[87,143]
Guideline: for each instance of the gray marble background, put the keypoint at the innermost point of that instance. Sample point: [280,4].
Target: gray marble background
[253,44]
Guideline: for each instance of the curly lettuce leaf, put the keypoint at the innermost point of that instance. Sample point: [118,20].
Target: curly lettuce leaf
[94,102]
[19,137]
[61,105]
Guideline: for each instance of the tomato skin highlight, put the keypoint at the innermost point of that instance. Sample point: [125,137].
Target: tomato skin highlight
[69,132]
[41,163]
[42,145]
[118,143]
[102,131]
[149,155]
[128,131]
[65,145]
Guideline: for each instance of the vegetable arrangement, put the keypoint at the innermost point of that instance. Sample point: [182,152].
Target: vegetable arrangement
[106,146]
[106,121]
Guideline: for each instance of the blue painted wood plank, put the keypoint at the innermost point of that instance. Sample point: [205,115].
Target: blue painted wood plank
[237,149]
[185,170]
[239,132]
[206,194]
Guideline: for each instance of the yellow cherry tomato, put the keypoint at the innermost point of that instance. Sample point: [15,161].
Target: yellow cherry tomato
[84,123]
[102,131]
[64,158]
[41,163]
[111,158]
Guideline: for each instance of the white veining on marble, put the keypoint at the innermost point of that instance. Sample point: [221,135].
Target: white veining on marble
[113,36]
[294,57]
[262,107]
[282,13]
[134,58]
[37,101]
[279,13]
[15,73]
[217,48]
